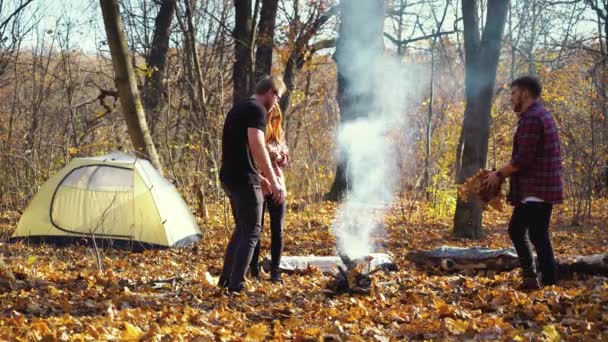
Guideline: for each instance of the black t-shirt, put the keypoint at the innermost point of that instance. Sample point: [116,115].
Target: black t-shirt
[238,167]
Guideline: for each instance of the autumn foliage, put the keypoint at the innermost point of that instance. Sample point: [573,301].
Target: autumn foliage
[171,294]
[474,188]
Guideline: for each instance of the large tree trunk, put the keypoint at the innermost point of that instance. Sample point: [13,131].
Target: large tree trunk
[481,61]
[242,69]
[265,41]
[351,41]
[125,80]
[157,61]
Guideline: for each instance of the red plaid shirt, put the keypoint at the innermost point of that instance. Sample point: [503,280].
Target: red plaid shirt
[536,154]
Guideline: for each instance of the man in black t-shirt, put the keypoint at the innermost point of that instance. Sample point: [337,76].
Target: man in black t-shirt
[243,151]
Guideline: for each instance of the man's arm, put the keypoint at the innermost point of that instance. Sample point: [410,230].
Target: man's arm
[528,136]
[255,138]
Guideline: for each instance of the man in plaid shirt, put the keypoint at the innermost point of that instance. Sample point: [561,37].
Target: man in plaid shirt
[535,170]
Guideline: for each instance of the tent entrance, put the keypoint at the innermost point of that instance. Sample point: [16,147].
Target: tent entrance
[95,200]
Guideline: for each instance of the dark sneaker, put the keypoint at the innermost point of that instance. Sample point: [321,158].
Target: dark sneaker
[548,280]
[530,283]
[237,292]
[255,272]
[222,282]
[275,276]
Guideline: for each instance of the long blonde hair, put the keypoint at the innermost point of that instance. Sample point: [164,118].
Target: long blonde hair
[274,129]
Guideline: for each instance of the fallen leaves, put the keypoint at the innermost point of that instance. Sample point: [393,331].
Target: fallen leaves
[257,332]
[172,294]
[474,188]
[131,332]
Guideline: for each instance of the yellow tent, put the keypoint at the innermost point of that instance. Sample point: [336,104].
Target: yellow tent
[118,198]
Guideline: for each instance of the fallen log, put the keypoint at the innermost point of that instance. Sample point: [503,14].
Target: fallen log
[452,259]
[596,264]
[327,264]
[448,259]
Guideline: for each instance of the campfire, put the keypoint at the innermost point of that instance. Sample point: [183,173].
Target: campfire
[345,274]
[355,278]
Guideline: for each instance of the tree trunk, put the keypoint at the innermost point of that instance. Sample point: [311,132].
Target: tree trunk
[126,83]
[242,69]
[157,61]
[294,63]
[429,128]
[481,62]
[353,103]
[265,41]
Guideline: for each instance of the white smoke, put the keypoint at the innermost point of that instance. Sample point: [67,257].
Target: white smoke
[388,87]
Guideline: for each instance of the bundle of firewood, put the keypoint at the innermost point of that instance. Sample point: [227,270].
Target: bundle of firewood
[355,278]
[352,281]
[474,188]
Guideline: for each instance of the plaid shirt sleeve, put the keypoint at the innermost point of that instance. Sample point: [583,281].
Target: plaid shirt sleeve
[528,135]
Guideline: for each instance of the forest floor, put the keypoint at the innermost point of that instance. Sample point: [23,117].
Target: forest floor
[68,299]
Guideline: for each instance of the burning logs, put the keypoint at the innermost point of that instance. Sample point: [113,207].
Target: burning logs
[355,278]
[346,275]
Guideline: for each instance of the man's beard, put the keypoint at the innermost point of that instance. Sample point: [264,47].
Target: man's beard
[266,104]
[517,108]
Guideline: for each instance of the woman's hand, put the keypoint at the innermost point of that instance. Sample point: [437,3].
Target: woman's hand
[282,159]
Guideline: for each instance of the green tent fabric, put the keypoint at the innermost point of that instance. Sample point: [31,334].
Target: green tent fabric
[115,197]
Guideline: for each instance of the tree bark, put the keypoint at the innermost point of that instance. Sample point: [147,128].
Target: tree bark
[242,69]
[265,41]
[351,40]
[126,83]
[481,62]
[157,61]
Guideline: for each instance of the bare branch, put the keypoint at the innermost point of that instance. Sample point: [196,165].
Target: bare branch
[412,40]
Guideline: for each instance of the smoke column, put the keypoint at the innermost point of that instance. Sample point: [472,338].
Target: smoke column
[377,90]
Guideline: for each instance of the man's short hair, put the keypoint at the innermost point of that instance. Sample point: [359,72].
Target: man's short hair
[529,83]
[267,83]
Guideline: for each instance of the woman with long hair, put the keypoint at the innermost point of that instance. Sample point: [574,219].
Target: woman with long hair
[279,157]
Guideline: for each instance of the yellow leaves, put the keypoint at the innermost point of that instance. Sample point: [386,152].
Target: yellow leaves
[53,291]
[354,314]
[31,260]
[257,332]
[72,151]
[456,326]
[409,304]
[394,315]
[551,334]
[443,309]
[131,332]
[474,188]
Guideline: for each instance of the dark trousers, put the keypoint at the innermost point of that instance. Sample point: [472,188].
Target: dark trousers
[530,226]
[246,203]
[277,221]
